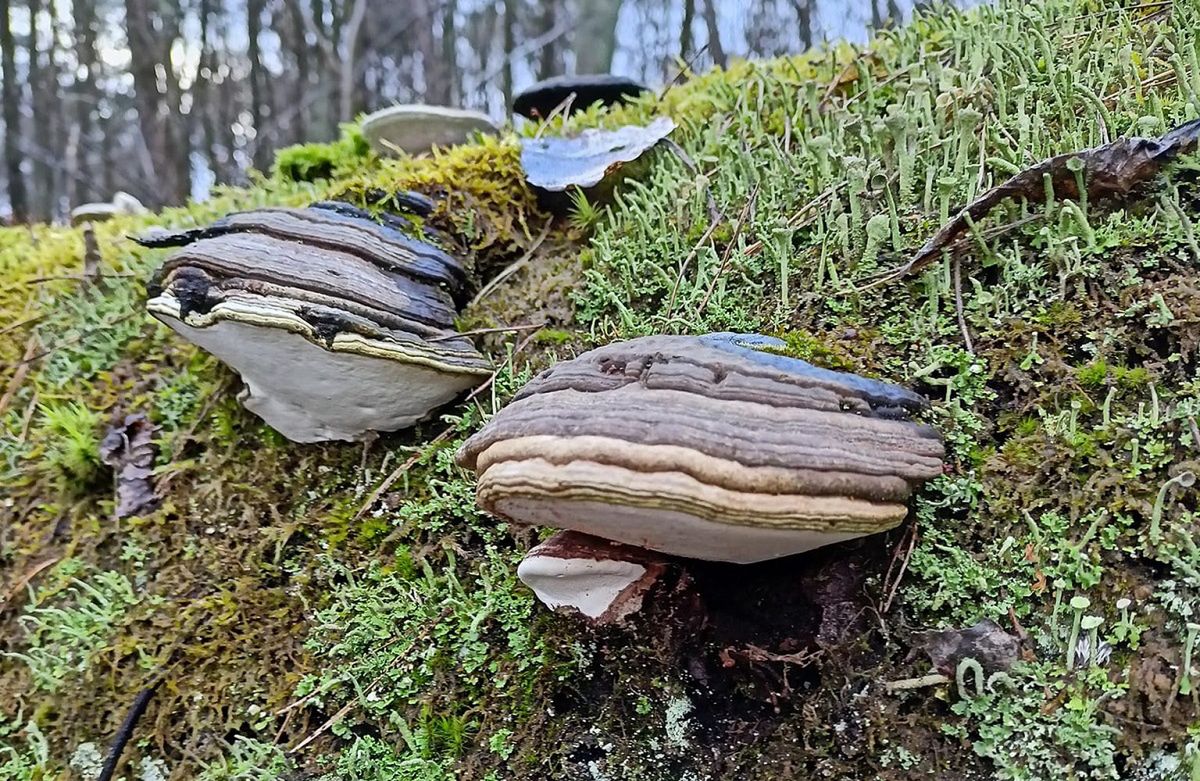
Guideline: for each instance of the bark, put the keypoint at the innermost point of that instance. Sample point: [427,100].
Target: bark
[353,28]
[18,198]
[254,14]
[86,96]
[510,35]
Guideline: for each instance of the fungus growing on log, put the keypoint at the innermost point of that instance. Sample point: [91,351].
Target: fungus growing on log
[600,579]
[555,164]
[418,128]
[338,325]
[539,100]
[122,203]
[704,447]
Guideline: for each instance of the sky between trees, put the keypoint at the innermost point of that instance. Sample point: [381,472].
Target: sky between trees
[164,98]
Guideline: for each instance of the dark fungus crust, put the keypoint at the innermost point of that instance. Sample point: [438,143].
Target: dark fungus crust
[542,98]
[336,227]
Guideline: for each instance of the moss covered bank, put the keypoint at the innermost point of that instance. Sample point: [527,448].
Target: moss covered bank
[297,625]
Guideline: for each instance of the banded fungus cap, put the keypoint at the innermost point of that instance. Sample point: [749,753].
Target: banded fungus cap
[339,325]
[602,580]
[704,447]
[417,128]
[542,98]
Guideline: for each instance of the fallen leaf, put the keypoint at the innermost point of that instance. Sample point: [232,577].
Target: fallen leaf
[129,449]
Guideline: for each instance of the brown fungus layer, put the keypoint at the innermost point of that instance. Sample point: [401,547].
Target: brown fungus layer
[706,447]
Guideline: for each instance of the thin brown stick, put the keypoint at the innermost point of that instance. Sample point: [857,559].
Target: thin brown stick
[20,324]
[19,375]
[75,339]
[737,232]
[958,304]
[708,232]
[513,268]
[895,586]
[82,277]
[480,331]
[25,580]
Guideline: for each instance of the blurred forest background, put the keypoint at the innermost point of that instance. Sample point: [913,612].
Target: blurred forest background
[165,98]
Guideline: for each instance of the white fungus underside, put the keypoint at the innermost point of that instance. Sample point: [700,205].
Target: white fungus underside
[669,531]
[589,586]
[310,394]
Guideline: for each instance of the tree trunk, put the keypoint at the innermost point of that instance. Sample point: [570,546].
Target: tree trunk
[450,53]
[86,96]
[510,37]
[350,60]
[254,12]
[596,35]
[715,50]
[150,51]
[685,30]
[18,198]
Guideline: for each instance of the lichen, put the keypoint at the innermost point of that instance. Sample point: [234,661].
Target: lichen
[1066,405]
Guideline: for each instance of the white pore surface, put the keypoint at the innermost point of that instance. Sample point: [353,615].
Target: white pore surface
[668,531]
[310,394]
[587,585]
[416,129]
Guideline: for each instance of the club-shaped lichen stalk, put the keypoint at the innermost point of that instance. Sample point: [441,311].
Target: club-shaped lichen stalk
[1076,165]
[879,229]
[1091,625]
[1078,604]
[1185,479]
[960,677]
[1185,685]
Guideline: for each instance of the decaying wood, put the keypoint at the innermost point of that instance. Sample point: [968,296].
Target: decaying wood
[1110,171]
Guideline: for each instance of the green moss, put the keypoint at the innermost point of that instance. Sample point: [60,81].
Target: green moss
[1061,369]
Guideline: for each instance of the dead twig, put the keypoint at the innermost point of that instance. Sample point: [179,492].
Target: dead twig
[920,682]
[22,370]
[126,731]
[480,331]
[737,232]
[513,268]
[25,580]
[894,585]
[958,305]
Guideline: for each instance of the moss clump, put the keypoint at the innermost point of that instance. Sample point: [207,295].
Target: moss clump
[310,162]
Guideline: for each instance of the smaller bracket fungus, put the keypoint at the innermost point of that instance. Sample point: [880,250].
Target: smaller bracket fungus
[339,325]
[418,128]
[539,100]
[555,164]
[600,579]
[704,447]
[122,203]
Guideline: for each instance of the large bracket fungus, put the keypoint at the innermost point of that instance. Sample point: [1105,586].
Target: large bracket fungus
[705,447]
[339,325]
[542,98]
[418,128]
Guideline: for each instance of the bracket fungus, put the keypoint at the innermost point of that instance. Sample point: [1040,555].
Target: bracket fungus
[600,579]
[542,98]
[556,164]
[417,128]
[705,447]
[122,203]
[339,325]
